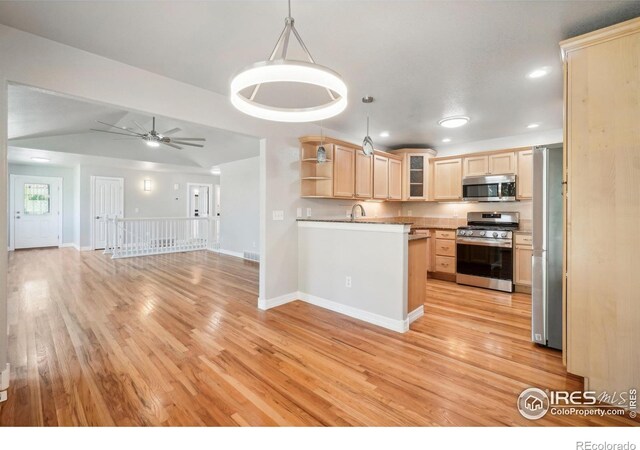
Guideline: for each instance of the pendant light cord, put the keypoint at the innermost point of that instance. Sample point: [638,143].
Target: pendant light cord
[289,2]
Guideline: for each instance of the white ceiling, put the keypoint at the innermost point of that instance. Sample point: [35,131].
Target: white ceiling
[43,122]
[421,60]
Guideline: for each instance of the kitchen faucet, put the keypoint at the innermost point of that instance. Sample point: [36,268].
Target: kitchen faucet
[353,211]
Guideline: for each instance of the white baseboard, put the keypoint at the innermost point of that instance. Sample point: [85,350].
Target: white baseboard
[415,314]
[265,304]
[230,253]
[84,249]
[67,244]
[401,326]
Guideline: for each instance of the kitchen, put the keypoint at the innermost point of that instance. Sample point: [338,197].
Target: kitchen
[467,220]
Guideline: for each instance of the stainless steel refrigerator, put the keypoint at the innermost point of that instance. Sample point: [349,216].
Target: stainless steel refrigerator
[546,290]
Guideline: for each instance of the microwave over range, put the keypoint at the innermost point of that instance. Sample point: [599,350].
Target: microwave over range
[489,188]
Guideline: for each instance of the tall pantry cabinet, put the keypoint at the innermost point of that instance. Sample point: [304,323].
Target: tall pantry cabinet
[602,207]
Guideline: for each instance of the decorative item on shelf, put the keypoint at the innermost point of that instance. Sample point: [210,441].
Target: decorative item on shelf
[289,71]
[367,143]
[321,154]
[147,185]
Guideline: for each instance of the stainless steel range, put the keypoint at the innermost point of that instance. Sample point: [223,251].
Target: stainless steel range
[484,250]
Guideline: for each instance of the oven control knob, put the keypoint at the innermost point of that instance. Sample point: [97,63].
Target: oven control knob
[482,233]
[495,234]
[504,235]
[469,233]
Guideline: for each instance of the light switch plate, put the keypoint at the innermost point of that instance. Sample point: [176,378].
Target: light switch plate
[299,213]
[308,212]
[409,213]
[278,215]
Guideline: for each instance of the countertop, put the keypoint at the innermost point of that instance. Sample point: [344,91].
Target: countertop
[380,220]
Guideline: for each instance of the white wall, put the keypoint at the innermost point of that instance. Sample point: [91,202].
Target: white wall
[240,206]
[161,201]
[69,208]
[520,140]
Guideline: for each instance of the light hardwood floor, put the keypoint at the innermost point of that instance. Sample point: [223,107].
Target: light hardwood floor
[178,340]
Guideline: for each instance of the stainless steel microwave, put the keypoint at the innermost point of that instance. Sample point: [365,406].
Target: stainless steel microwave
[489,188]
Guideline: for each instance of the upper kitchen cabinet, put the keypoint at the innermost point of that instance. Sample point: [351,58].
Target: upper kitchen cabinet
[493,164]
[602,169]
[364,175]
[447,179]
[524,183]
[395,179]
[415,172]
[380,177]
[344,169]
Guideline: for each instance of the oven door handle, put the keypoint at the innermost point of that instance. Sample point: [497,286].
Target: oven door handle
[484,243]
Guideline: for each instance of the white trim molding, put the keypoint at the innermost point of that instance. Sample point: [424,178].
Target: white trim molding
[415,314]
[355,226]
[401,326]
[269,303]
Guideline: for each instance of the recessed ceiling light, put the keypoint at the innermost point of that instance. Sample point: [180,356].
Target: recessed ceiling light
[446,140]
[539,72]
[384,134]
[40,159]
[533,125]
[454,122]
[216,170]
[153,144]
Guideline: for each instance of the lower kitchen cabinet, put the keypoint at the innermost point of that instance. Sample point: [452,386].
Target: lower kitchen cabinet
[443,262]
[522,262]
[418,260]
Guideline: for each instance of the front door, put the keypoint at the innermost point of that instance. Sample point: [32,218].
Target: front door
[36,211]
[107,204]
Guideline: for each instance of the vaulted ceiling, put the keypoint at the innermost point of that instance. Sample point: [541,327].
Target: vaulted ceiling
[421,60]
[58,127]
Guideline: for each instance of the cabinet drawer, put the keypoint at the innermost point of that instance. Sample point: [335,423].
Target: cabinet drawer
[524,239]
[445,234]
[445,247]
[445,264]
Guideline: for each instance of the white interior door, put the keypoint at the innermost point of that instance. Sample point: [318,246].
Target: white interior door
[199,200]
[36,211]
[108,203]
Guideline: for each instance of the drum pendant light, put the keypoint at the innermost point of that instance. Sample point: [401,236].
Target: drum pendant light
[286,70]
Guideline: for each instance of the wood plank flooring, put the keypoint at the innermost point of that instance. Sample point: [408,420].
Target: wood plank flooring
[178,340]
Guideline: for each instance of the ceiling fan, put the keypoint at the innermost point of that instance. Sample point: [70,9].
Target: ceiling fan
[153,138]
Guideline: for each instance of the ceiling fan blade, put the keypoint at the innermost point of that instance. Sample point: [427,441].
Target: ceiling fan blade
[120,128]
[172,145]
[171,131]
[141,127]
[175,138]
[135,136]
[187,143]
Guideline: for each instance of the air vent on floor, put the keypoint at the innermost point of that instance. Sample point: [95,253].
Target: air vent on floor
[251,256]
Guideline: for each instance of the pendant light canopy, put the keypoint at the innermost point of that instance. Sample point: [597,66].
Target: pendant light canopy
[285,70]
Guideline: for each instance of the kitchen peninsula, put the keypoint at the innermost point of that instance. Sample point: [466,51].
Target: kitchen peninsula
[361,268]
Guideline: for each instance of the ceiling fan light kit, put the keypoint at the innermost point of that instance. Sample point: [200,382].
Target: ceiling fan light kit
[285,70]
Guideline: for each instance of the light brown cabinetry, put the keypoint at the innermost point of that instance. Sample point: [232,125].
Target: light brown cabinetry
[524,183]
[447,179]
[380,177]
[602,169]
[417,289]
[444,254]
[493,164]
[316,179]
[395,179]
[415,172]
[522,261]
[344,164]
[364,175]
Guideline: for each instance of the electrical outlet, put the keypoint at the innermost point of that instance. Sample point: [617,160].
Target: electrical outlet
[137,210]
[348,213]
[347,282]
[278,215]
[299,213]
[308,212]
[409,213]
